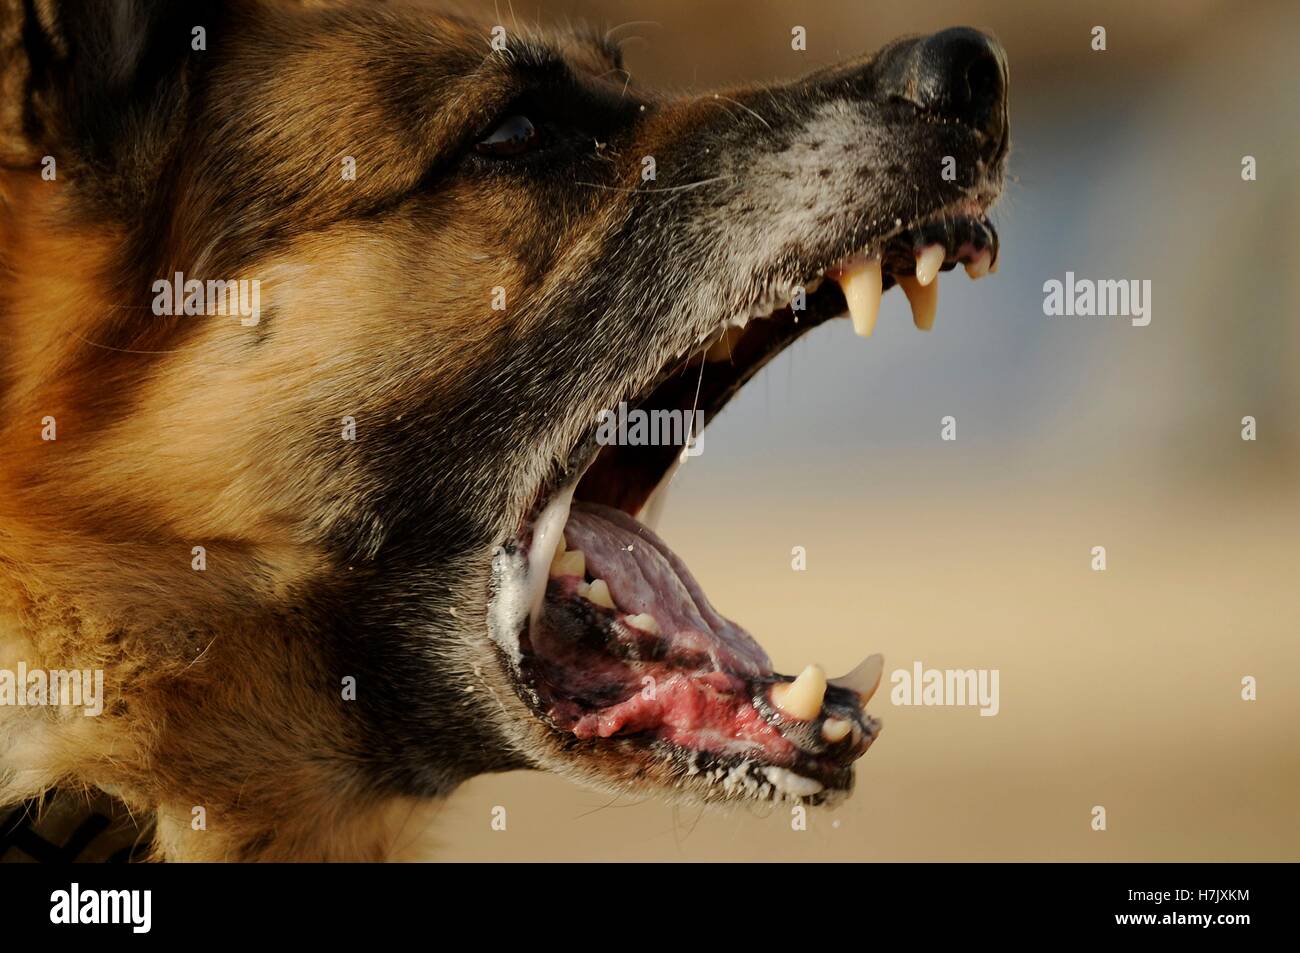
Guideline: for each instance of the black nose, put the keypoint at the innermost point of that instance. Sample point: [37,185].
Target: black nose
[960,73]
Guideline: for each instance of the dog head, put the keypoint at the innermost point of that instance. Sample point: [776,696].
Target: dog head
[356,530]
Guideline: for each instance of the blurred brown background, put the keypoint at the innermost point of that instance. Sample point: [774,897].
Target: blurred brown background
[1119,688]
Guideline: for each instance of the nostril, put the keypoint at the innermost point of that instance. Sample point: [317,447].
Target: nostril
[959,73]
[983,82]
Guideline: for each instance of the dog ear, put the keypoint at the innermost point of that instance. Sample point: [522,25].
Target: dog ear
[92,82]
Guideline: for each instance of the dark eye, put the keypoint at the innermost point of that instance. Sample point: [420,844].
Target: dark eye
[514,136]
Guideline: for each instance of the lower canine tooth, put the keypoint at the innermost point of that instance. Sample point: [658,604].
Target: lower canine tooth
[864,679]
[836,729]
[924,300]
[801,698]
[861,283]
[598,592]
[928,263]
[570,563]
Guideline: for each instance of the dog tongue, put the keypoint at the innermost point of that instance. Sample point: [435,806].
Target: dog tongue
[645,577]
[638,650]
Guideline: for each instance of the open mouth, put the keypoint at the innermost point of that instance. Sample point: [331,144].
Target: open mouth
[608,637]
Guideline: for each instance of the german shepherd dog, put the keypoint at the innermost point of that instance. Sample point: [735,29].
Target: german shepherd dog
[347,535]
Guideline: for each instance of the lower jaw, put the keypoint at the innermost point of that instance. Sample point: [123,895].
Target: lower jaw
[613,656]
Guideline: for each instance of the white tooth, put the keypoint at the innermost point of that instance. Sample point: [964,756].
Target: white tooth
[864,679]
[924,300]
[598,592]
[654,507]
[548,528]
[836,729]
[571,563]
[980,266]
[645,622]
[720,350]
[928,263]
[801,698]
[861,282]
[812,286]
[790,784]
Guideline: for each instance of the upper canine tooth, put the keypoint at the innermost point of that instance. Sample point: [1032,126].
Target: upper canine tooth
[864,679]
[861,282]
[569,563]
[928,263]
[801,698]
[924,300]
[598,592]
[980,266]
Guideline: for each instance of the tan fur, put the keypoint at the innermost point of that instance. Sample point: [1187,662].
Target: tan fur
[189,445]
[96,531]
